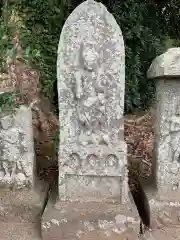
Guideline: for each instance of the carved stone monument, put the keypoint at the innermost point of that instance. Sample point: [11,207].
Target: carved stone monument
[166,71]
[21,197]
[91,79]
[17,150]
[92,152]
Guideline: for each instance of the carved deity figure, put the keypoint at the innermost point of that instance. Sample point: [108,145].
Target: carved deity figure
[90,93]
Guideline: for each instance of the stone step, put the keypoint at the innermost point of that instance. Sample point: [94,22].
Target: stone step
[167,233]
[25,205]
[90,220]
[19,231]
[20,212]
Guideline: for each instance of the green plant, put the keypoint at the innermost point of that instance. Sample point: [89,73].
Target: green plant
[42,24]
[143,39]
[7,49]
[143,29]
[10,102]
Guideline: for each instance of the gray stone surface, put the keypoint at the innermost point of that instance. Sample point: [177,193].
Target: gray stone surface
[92,152]
[93,221]
[17,149]
[26,204]
[167,126]
[22,196]
[91,82]
[167,64]
[89,221]
[21,231]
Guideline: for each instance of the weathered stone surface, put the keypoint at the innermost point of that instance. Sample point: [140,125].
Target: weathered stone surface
[17,149]
[167,127]
[164,221]
[168,135]
[92,152]
[22,196]
[93,221]
[21,231]
[91,79]
[89,221]
[22,206]
[167,64]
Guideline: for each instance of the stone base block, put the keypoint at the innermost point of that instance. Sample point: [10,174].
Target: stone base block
[23,205]
[19,231]
[165,213]
[85,221]
[168,194]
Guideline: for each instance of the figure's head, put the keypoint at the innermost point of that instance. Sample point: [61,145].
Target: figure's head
[90,55]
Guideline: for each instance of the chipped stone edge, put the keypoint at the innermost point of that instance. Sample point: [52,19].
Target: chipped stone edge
[167,64]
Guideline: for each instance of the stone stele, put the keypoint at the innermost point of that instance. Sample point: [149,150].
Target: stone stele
[166,69]
[17,149]
[22,196]
[93,187]
[91,82]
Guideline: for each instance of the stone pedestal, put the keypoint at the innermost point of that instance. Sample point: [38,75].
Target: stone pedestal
[75,220]
[92,151]
[165,69]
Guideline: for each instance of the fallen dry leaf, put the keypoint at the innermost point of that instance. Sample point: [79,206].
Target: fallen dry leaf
[83,214]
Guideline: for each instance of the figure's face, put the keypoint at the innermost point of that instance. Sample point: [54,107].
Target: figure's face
[90,57]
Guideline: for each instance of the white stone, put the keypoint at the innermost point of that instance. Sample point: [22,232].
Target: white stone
[104,224]
[55,221]
[7,179]
[11,135]
[167,64]
[11,152]
[6,122]
[91,85]
[15,160]
[166,67]
[89,226]
[2,174]
[20,179]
